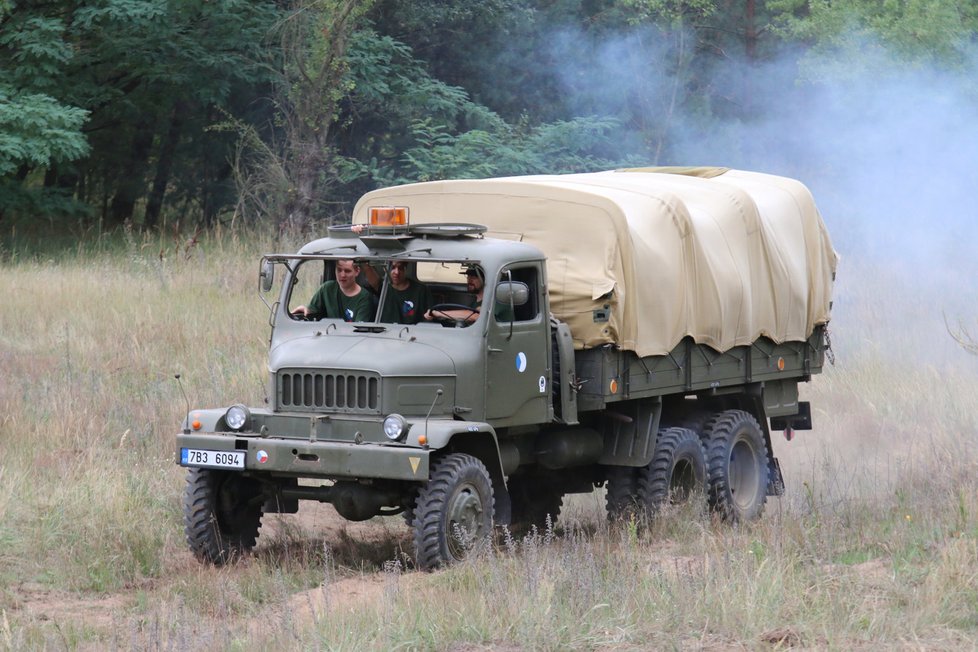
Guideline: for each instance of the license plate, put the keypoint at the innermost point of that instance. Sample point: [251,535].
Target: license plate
[212,459]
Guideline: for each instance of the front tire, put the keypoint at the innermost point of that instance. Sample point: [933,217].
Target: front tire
[453,511]
[737,458]
[222,513]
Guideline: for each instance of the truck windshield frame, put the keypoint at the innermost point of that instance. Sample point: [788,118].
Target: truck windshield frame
[442,281]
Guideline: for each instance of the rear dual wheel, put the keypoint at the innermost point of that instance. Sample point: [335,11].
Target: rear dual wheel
[737,459]
[621,492]
[675,475]
[677,472]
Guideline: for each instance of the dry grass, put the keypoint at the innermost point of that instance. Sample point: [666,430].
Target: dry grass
[875,545]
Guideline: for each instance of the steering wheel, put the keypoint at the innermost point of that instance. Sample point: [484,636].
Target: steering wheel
[447,320]
[298,316]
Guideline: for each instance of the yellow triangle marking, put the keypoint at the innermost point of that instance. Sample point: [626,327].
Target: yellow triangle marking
[415,461]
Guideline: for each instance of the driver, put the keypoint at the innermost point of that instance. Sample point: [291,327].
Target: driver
[475,283]
[340,299]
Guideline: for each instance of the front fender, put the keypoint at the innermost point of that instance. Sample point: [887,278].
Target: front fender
[474,438]
[440,432]
[208,420]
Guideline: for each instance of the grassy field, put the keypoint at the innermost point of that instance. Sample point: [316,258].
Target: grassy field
[874,546]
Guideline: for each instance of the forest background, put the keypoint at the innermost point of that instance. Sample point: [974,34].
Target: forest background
[189,114]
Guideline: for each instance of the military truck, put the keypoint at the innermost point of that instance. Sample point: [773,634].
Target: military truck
[648,330]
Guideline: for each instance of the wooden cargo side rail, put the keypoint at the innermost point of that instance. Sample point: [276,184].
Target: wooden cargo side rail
[607,375]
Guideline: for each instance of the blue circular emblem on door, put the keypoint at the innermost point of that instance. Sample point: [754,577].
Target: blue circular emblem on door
[521,362]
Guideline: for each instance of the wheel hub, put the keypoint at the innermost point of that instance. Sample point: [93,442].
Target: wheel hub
[683,481]
[744,476]
[464,519]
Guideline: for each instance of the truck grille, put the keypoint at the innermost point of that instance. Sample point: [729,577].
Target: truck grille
[324,390]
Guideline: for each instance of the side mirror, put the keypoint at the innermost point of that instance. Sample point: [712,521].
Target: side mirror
[266,277]
[513,293]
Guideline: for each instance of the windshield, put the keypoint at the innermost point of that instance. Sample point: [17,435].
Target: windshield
[388,291]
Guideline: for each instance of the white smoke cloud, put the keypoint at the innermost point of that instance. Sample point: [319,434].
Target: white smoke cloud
[889,149]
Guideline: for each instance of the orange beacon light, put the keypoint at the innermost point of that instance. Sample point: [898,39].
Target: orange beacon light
[388,215]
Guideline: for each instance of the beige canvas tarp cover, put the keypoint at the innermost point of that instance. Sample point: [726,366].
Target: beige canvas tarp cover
[723,256]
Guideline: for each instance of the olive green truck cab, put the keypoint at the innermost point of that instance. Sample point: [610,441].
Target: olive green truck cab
[638,330]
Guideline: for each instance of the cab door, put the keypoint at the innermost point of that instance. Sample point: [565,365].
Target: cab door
[518,352]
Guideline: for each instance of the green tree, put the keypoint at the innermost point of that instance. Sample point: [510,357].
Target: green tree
[157,74]
[411,126]
[315,38]
[850,39]
[151,77]
[37,128]
[484,47]
[37,131]
[395,123]
[654,66]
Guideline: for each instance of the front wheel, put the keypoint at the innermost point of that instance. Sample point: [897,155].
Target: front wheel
[453,511]
[222,513]
[737,458]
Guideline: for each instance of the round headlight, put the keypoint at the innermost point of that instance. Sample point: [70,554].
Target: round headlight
[237,417]
[394,427]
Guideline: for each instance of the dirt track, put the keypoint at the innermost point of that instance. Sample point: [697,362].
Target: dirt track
[350,544]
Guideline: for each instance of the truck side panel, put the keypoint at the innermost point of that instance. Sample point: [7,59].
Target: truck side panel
[609,376]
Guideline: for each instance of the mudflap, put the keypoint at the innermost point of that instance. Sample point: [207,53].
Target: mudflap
[775,485]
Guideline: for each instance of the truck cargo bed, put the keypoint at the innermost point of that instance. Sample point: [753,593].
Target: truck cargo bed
[607,375]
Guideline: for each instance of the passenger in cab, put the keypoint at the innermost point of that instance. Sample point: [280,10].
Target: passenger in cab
[343,298]
[407,300]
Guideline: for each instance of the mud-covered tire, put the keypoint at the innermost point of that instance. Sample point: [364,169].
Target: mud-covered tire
[453,511]
[677,471]
[621,497]
[222,513]
[531,504]
[737,461]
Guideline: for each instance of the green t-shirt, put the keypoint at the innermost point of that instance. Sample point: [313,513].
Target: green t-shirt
[406,306]
[329,301]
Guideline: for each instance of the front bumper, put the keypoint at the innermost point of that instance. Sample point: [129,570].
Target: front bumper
[319,459]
